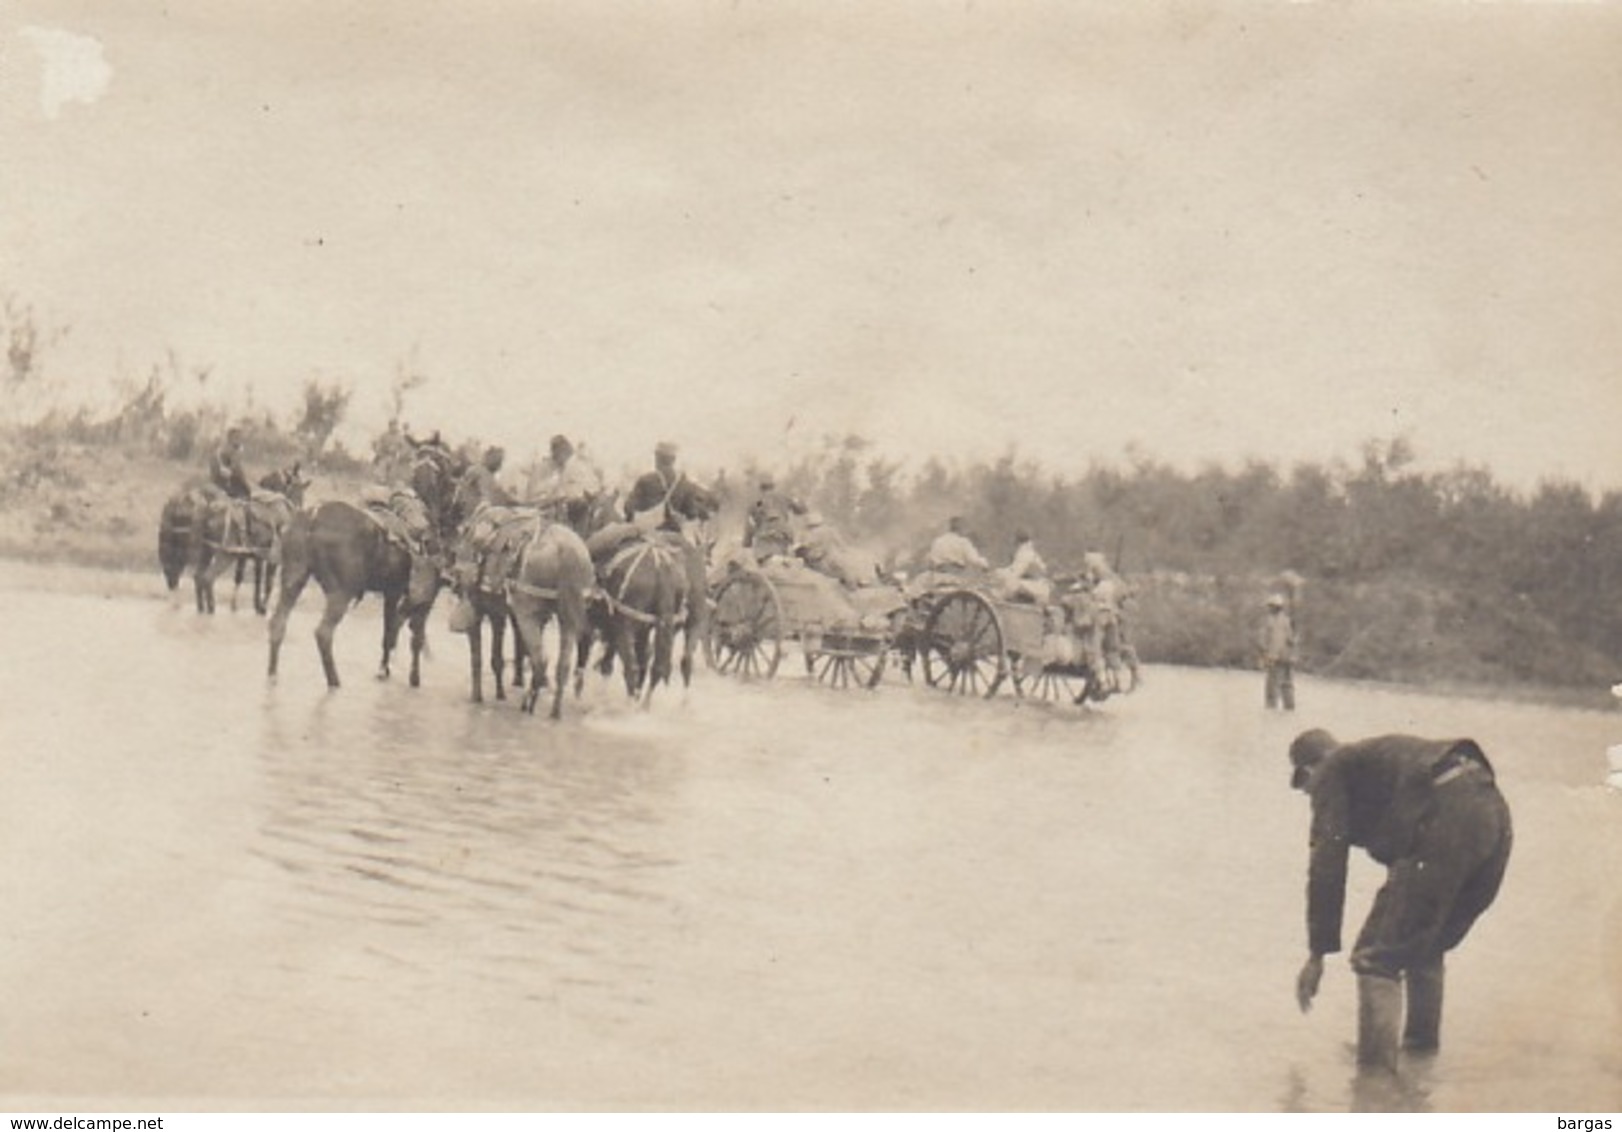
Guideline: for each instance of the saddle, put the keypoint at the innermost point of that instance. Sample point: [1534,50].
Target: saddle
[487,554]
[401,516]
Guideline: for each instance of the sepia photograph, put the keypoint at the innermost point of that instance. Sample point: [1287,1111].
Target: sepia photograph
[724,556]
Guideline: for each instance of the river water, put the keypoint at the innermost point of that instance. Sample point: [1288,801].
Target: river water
[224,893]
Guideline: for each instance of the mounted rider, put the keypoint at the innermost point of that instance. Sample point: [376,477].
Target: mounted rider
[567,484]
[227,472]
[659,503]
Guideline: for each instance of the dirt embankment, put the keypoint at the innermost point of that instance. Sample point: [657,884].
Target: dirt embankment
[82,505]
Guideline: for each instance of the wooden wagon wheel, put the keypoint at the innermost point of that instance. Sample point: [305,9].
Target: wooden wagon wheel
[861,668]
[963,646]
[1055,685]
[746,628]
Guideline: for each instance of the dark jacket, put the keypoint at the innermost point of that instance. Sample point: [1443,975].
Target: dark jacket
[1374,794]
[681,497]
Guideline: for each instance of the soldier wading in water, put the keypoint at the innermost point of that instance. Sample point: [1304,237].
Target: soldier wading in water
[1430,812]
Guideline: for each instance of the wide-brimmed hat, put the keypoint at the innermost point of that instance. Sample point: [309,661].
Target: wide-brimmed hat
[664,450]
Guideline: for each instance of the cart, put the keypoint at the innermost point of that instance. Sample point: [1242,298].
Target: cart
[973,642]
[844,633]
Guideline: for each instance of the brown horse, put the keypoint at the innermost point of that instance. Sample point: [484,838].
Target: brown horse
[181,545]
[645,599]
[196,531]
[552,576]
[485,553]
[250,531]
[350,555]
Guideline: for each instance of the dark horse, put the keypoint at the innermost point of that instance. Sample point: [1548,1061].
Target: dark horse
[196,530]
[350,555]
[645,600]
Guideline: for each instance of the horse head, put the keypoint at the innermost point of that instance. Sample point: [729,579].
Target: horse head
[435,473]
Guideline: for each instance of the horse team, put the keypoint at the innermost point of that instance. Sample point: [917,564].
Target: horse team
[633,600]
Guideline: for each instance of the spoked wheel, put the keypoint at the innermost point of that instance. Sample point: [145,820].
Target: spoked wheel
[963,646]
[746,628]
[1056,685]
[848,669]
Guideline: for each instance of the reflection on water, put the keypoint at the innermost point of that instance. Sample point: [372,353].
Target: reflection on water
[751,896]
[448,835]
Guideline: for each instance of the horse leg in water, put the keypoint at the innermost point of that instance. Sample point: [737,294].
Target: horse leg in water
[236,588]
[418,620]
[530,623]
[663,648]
[337,606]
[391,631]
[518,653]
[631,649]
[208,565]
[498,650]
[294,578]
[689,640]
[569,626]
[475,652]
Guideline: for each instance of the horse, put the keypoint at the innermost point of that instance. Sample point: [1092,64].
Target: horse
[195,532]
[645,594]
[552,576]
[481,588]
[180,543]
[262,519]
[350,555]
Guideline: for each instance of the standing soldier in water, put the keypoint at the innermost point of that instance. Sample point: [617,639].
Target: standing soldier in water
[1430,812]
[1276,643]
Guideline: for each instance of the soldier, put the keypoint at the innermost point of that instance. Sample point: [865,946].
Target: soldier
[225,468]
[1428,810]
[1276,643]
[769,527]
[568,482]
[478,484]
[953,552]
[661,500]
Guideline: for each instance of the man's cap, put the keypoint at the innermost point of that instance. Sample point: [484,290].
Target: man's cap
[561,443]
[1022,536]
[767,483]
[1308,750]
[1275,601]
[814,519]
[664,450]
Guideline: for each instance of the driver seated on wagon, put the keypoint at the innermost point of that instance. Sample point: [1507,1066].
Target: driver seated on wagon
[824,550]
[951,558]
[1025,578]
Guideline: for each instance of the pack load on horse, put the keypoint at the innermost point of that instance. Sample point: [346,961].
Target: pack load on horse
[388,544]
[512,564]
[484,557]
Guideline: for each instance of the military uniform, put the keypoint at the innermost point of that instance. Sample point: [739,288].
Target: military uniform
[1431,812]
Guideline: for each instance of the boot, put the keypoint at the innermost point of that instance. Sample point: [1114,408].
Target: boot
[1423,1030]
[1379,1013]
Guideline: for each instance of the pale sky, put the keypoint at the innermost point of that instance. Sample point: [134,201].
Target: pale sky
[1212,231]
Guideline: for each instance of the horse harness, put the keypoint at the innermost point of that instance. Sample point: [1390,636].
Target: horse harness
[636,553]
